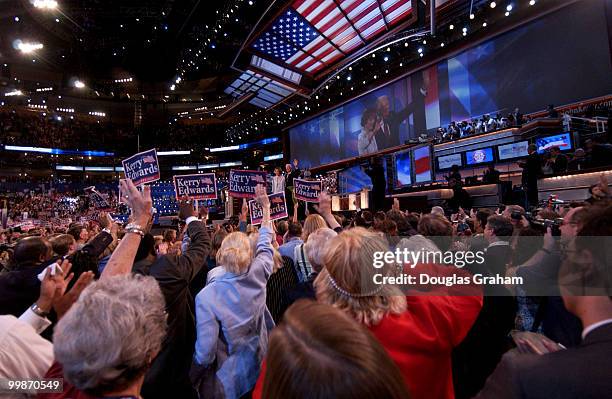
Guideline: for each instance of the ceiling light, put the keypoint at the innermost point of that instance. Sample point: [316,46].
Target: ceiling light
[451,27]
[28,48]
[493,4]
[532,2]
[509,7]
[472,16]
[45,4]
[14,93]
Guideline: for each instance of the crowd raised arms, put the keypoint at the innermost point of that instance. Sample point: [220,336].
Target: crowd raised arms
[264,305]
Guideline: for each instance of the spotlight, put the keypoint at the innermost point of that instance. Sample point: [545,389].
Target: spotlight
[420,50]
[78,84]
[386,58]
[472,16]
[493,4]
[45,4]
[172,87]
[507,14]
[532,2]
[26,47]
[509,7]
[16,19]
[451,27]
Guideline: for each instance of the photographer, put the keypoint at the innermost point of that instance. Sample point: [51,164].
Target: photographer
[540,276]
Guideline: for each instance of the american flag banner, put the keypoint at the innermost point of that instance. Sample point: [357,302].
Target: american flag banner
[312,34]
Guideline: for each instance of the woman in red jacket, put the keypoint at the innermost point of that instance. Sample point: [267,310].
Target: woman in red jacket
[418,330]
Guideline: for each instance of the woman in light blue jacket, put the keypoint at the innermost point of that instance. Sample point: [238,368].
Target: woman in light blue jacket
[232,320]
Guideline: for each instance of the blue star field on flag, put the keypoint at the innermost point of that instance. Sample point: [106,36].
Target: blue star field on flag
[286,36]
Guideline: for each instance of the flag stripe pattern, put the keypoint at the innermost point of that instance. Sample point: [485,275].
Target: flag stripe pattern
[314,33]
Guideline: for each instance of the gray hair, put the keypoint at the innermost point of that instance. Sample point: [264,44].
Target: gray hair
[418,243]
[314,248]
[110,336]
[437,210]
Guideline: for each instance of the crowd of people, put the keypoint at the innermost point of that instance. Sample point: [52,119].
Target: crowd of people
[294,307]
[58,131]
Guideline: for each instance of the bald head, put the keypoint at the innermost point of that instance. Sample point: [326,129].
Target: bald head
[32,251]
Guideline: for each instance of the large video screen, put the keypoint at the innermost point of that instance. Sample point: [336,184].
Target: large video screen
[422,164]
[563,141]
[403,175]
[447,161]
[485,79]
[513,150]
[482,155]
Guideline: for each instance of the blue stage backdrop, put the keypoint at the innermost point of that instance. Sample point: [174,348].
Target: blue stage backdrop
[561,58]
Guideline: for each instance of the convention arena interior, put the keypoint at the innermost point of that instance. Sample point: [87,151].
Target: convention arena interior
[309,199]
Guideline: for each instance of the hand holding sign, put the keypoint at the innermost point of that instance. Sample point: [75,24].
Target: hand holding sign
[261,196]
[141,203]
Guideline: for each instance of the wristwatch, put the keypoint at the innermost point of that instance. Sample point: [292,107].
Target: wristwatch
[38,311]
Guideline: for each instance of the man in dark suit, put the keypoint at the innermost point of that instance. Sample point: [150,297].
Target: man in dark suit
[391,121]
[532,170]
[169,373]
[583,371]
[376,172]
[476,357]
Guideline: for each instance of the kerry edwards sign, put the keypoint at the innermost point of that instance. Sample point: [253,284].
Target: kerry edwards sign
[197,187]
[142,168]
[278,208]
[242,183]
[307,190]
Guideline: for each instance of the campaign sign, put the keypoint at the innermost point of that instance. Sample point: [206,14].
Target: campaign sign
[97,200]
[307,190]
[197,187]
[142,168]
[278,208]
[242,183]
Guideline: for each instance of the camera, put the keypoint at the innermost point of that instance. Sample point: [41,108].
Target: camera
[544,224]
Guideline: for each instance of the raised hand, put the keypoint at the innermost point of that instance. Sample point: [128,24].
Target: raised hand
[261,196]
[140,203]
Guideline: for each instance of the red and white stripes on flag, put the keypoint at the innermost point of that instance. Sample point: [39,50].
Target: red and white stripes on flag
[347,24]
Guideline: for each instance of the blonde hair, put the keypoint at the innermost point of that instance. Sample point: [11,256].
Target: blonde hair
[312,223]
[235,253]
[347,283]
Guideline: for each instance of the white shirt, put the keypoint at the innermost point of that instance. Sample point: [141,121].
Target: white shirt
[278,184]
[365,145]
[24,353]
[594,326]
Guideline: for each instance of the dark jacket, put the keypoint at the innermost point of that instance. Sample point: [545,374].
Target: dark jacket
[169,373]
[476,357]
[20,288]
[582,372]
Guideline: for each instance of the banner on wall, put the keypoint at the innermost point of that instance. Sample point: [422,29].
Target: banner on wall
[142,168]
[197,187]
[242,183]
[98,201]
[307,190]
[278,208]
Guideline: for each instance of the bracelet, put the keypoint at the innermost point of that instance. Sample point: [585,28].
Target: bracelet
[135,230]
[38,311]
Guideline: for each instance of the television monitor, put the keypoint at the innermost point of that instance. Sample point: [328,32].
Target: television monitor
[422,164]
[563,141]
[479,156]
[512,150]
[447,161]
[403,176]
